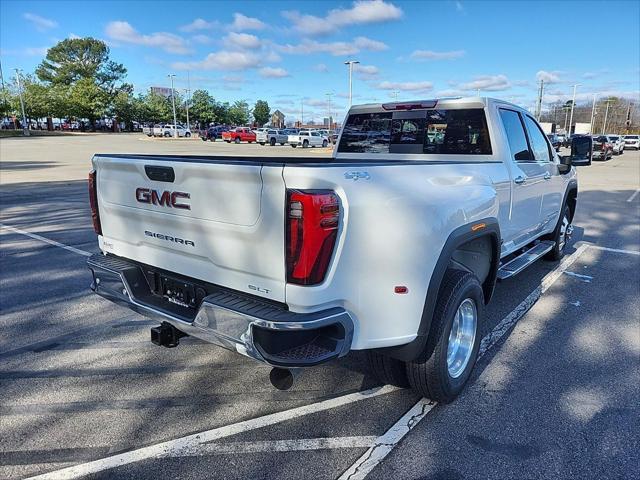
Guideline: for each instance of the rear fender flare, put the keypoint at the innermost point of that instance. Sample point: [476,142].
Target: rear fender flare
[461,235]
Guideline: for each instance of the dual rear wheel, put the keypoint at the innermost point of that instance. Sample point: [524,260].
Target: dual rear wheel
[451,350]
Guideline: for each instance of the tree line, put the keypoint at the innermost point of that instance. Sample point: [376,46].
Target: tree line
[622,116]
[78,80]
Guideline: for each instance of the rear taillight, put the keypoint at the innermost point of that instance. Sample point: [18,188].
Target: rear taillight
[93,201]
[311,230]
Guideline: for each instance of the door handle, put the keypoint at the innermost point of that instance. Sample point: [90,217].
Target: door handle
[519,179]
[547,176]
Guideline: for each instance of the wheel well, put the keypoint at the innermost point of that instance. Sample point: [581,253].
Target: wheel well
[478,256]
[572,201]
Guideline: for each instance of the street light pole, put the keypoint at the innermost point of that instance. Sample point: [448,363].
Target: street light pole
[329,94]
[573,103]
[606,114]
[188,98]
[593,112]
[25,127]
[351,63]
[173,101]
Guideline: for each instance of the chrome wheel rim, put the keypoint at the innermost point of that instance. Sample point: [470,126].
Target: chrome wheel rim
[565,232]
[462,338]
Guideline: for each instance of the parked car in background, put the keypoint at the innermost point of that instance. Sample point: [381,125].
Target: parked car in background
[213,133]
[271,136]
[617,142]
[239,134]
[308,138]
[556,143]
[564,140]
[632,141]
[602,148]
[168,131]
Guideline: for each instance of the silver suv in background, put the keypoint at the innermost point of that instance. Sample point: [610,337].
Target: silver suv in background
[617,142]
[632,141]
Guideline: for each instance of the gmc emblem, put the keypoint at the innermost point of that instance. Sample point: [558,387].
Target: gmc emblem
[164,199]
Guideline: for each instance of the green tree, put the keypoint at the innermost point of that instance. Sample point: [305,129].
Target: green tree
[261,112]
[239,113]
[202,107]
[158,107]
[87,100]
[75,59]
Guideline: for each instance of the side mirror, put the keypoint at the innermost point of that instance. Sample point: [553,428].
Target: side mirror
[581,151]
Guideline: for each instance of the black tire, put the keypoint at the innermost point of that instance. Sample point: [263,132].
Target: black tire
[187,135]
[558,236]
[325,143]
[237,140]
[387,370]
[282,144]
[262,143]
[429,375]
[305,144]
[167,134]
[272,142]
[293,146]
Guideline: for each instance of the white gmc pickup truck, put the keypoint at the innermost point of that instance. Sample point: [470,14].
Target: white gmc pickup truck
[392,246]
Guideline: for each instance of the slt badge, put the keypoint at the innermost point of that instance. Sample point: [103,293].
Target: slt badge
[357,175]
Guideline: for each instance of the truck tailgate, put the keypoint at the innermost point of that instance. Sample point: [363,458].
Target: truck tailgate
[218,221]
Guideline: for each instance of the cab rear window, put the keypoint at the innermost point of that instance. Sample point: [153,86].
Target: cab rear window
[436,131]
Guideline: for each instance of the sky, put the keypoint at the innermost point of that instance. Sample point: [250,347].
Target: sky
[293,53]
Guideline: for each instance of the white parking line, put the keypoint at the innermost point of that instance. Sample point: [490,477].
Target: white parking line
[614,250]
[385,443]
[45,240]
[279,446]
[174,448]
[633,195]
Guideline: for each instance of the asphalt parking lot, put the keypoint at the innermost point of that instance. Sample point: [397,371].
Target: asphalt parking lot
[84,392]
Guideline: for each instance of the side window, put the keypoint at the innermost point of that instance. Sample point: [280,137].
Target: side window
[538,140]
[315,134]
[515,135]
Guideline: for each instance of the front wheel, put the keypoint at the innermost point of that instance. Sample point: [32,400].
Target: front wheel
[293,146]
[187,135]
[305,144]
[272,142]
[445,365]
[325,143]
[237,139]
[561,235]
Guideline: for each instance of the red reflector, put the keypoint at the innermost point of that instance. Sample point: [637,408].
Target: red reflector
[401,289]
[93,201]
[311,231]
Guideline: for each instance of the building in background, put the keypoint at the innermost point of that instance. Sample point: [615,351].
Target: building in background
[162,91]
[277,119]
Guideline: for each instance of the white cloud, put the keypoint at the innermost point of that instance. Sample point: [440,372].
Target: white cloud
[242,22]
[321,67]
[333,48]
[366,71]
[431,55]
[242,40]
[406,86]
[459,7]
[202,39]
[233,79]
[590,75]
[199,24]
[489,83]
[42,24]
[123,32]
[361,12]
[367,44]
[73,36]
[548,77]
[449,92]
[270,72]
[226,61]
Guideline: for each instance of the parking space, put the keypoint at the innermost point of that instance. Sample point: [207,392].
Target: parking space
[85,393]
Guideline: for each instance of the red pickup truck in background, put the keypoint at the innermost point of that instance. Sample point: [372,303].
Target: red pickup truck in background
[240,134]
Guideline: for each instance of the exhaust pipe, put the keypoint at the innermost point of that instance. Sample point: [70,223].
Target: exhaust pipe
[282,378]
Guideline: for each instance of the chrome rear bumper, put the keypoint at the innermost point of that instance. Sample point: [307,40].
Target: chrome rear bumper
[266,332]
